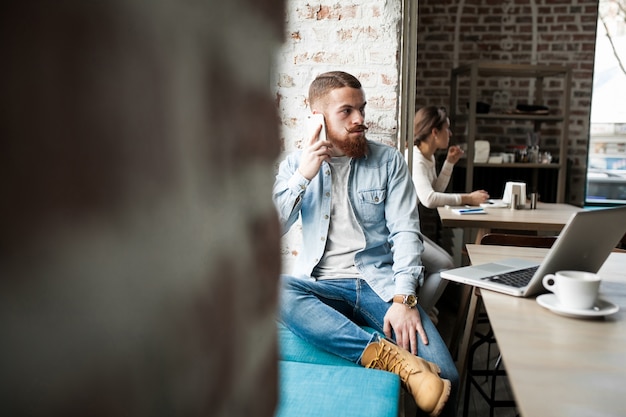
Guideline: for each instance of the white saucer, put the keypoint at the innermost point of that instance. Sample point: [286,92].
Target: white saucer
[602,307]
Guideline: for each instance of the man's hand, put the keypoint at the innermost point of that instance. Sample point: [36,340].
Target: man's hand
[406,323]
[314,153]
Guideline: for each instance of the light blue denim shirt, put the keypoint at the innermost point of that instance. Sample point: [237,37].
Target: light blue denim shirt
[384,201]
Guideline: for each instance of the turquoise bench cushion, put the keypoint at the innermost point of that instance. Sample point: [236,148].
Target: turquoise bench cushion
[292,348]
[313,390]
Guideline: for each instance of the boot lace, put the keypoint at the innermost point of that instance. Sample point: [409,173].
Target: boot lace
[388,359]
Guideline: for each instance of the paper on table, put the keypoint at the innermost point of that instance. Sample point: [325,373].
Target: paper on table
[494,204]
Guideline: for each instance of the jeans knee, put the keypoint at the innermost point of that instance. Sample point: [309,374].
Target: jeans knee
[289,290]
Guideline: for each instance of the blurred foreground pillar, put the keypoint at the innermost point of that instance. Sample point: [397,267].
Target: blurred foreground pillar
[139,249]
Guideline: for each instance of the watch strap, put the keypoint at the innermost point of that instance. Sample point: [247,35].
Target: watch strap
[408,300]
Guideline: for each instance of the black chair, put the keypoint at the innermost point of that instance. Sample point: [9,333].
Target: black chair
[506,239]
[487,337]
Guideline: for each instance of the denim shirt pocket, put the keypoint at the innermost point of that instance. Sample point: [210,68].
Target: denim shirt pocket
[371,205]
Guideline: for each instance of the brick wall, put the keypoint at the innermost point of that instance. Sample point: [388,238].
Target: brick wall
[360,38]
[513,31]
[363,39]
[139,251]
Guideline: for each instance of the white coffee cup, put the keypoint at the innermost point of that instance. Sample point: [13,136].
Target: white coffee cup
[574,289]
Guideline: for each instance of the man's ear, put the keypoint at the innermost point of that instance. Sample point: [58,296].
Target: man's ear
[317,108]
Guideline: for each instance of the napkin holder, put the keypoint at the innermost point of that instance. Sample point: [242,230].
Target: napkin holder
[515,188]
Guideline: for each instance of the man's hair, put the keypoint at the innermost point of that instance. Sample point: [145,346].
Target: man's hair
[427,119]
[328,81]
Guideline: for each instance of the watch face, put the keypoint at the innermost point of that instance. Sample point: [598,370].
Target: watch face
[410,301]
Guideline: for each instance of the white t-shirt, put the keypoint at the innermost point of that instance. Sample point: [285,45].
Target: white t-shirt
[345,237]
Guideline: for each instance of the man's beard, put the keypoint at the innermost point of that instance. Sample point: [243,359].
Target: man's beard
[354,147]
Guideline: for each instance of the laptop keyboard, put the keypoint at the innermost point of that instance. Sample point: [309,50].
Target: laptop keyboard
[517,279]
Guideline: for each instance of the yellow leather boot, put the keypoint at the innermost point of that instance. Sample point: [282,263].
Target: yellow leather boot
[418,376]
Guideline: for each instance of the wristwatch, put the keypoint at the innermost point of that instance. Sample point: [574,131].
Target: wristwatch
[408,300]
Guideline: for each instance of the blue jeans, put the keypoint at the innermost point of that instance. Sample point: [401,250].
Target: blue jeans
[328,314]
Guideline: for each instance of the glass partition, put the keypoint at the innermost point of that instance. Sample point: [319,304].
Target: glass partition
[606,164]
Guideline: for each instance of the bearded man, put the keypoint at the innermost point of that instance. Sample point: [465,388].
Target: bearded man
[360,261]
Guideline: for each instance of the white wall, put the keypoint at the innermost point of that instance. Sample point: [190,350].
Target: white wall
[362,39]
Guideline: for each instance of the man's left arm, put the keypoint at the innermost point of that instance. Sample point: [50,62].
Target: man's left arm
[402,217]
[407,246]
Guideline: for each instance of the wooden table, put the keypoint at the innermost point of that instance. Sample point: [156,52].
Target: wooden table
[560,366]
[546,217]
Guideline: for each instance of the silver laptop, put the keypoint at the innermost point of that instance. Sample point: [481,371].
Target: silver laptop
[584,244]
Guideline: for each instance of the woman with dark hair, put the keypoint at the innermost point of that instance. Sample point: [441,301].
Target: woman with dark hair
[432,132]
